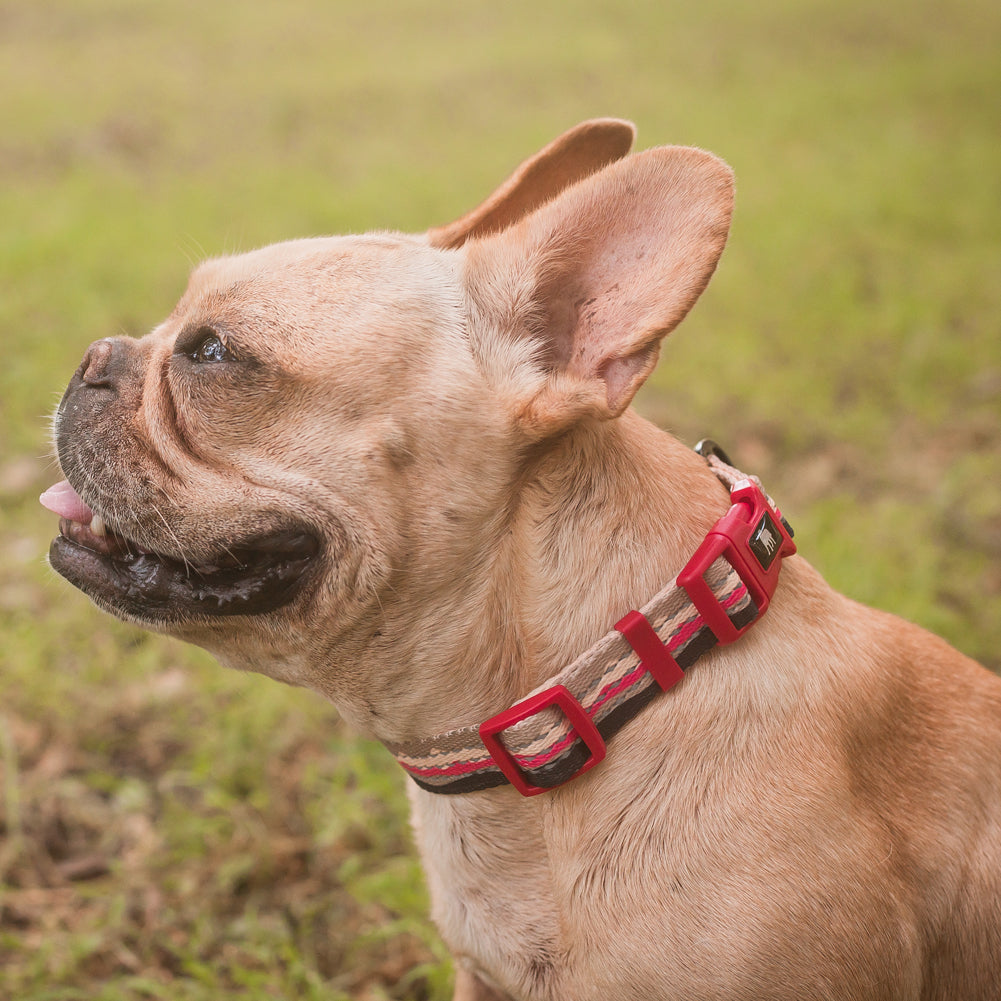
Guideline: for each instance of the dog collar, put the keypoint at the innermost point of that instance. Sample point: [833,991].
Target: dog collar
[560,730]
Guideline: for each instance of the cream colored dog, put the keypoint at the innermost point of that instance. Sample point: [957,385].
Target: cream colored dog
[401,471]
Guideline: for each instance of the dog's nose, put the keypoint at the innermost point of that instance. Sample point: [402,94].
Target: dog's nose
[102,362]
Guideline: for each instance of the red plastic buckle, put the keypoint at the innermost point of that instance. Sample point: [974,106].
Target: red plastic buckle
[754,540]
[648,646]
[575,713]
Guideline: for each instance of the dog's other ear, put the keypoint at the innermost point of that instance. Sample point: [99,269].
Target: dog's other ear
[598,276]
[573,156]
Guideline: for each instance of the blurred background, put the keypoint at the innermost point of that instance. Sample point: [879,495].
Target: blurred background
[169,829]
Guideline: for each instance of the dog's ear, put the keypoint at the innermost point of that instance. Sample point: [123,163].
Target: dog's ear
[573,156]
[596,277]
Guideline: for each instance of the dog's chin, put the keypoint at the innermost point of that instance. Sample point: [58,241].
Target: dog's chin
[255,577]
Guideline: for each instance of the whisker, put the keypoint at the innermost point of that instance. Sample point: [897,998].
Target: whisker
[188,568]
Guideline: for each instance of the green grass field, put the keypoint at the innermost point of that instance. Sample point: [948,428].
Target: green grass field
[171,830]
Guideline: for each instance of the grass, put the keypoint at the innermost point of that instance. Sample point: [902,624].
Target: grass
[172,830]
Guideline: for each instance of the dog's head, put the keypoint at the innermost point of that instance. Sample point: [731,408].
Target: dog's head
[328,433]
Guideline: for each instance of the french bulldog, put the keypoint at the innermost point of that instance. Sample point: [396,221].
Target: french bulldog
[403,471]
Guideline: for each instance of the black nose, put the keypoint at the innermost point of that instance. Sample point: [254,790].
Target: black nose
[100,400]
[104,363]
[96,365]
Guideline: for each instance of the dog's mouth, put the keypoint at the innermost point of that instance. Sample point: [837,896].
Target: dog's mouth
[250,577]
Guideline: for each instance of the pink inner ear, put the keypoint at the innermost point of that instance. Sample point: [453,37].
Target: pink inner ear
[632,248]
[599,275]
[63,500]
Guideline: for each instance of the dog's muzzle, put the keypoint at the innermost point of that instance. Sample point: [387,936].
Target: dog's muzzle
[112,513]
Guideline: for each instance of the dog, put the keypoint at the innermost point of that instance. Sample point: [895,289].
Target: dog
[653,754]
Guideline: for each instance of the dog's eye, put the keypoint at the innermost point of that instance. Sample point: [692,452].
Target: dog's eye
[208,347]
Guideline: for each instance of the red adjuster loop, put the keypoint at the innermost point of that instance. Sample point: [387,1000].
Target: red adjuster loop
[575,713]
[752,538]
[648,646]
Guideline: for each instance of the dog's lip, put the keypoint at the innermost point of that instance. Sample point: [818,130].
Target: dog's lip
[265,574]
[252,576]
[107,542]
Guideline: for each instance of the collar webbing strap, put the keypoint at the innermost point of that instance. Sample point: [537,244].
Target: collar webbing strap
[559,731]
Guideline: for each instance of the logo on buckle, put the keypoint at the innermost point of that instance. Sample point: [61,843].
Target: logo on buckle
[765,541]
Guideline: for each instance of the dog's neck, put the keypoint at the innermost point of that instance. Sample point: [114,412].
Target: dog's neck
[603,520]
[612,516]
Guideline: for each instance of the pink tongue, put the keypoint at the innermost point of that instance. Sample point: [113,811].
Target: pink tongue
[63,500]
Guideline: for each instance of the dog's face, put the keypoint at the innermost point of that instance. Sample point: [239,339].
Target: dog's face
[327,435]
[283,449]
